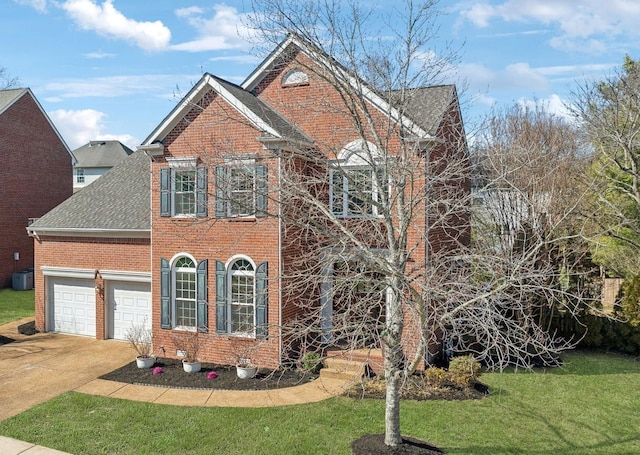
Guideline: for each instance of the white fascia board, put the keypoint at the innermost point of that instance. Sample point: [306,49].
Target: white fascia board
[258,74]
[178,112]
[93,233]
[68,272]
[124,275]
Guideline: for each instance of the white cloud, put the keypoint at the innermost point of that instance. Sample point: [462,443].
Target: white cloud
[81,126]
[512,77]
[553,104]
[585,25]
[223,30]
[99,55]
[38,5]
[107,21]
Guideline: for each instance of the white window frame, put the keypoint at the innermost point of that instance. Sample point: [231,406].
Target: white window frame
[248,168]
[174,288]
[179,194]
[230,303]
[80,177]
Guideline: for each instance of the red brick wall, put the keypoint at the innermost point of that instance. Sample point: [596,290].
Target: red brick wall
[86,253]
[215,132]
[35,176]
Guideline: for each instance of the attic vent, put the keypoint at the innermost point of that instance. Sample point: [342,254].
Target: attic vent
[295,77]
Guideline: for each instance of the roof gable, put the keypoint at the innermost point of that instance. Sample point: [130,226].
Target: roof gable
[259,113]
[411,116]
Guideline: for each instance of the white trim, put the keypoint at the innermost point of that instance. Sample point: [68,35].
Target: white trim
[68,272]
[186,162]
[94,233]
[122,275]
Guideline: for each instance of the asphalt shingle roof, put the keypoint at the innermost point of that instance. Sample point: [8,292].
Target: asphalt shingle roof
[119,200]
[101,154]
[426,105]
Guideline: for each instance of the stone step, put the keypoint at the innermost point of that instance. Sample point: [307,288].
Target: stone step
[339,368]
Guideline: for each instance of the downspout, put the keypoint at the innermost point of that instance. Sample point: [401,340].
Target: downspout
[280,266]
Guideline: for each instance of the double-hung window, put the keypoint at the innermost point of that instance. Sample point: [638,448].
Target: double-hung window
[241,189]
[241,298]
[183,189]
[355,191]
[79,175]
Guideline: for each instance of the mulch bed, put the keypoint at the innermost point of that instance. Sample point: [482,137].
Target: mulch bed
[174,376]
[373,444]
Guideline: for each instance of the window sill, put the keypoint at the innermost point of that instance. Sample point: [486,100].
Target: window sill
[243,219]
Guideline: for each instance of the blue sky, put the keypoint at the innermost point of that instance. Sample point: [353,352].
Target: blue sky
[110,69]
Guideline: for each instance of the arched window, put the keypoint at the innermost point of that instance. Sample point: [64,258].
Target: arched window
[295,77]
[357,180]
[184,289]
[183,293]
[242,297]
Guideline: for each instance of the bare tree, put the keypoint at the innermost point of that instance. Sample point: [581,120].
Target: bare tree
[6,81]
[377,232]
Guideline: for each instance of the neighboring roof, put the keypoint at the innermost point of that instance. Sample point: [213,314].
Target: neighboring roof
[101,154]
[115,205]
[10,96]
[258,112]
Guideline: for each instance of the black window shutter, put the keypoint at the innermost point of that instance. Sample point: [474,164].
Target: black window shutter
[202,316]
[165,294]
[261,190]
[201,195]
[220,192]
[165,192]
[261,301]
[221,298]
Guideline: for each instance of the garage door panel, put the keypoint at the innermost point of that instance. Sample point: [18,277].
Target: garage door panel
[73,308]
[132,306]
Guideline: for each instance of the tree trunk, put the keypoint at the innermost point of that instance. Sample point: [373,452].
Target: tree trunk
[392,436]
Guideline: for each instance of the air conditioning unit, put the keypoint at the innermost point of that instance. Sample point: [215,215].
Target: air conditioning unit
[23,281]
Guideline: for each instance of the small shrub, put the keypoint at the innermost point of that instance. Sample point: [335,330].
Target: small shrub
[311,362]
[436,377]
[463,371]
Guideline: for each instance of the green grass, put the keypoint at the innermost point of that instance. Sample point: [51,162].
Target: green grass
[16,305]
[590,406]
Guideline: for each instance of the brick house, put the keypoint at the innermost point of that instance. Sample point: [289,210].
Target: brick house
[35,175]
[208,257]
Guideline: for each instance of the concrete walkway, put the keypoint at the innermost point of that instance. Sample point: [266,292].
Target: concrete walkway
[37,368]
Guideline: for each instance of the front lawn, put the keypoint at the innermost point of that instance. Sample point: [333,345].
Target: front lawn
[16,305]
[588,407]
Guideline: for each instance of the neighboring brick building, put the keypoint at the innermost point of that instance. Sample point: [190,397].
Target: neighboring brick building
[35,175]
[211,258]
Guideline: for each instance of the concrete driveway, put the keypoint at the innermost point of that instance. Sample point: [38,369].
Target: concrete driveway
[36,368]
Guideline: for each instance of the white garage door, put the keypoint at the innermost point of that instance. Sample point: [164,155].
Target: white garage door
[74,306]
[130,304]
